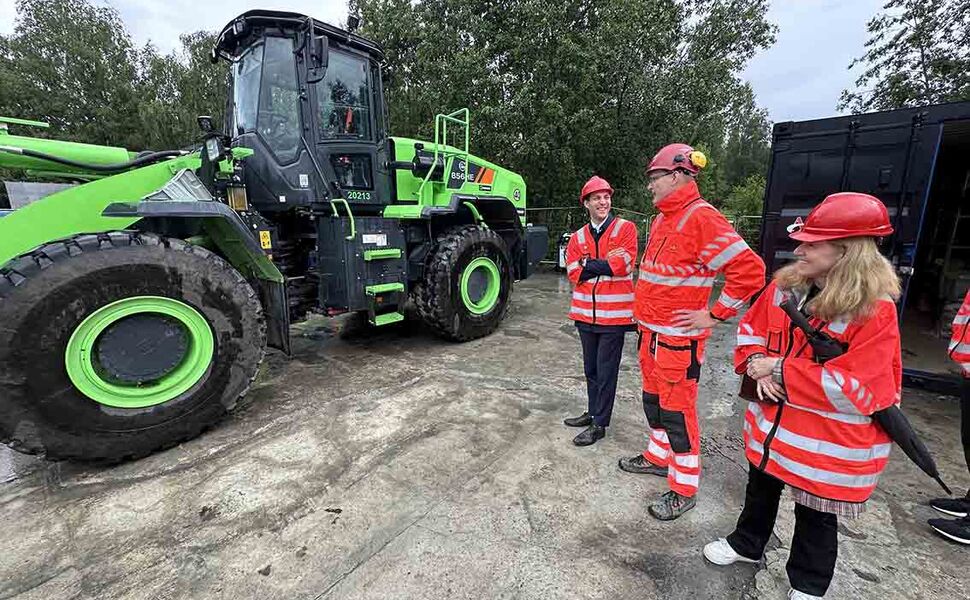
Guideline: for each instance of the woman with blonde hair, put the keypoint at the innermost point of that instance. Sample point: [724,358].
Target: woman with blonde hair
[811,428]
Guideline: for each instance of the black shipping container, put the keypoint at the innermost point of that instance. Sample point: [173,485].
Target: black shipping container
[917,161]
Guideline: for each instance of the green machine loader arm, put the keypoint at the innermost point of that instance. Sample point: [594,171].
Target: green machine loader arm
[166,189]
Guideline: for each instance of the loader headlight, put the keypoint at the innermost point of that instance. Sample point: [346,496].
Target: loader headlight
[213,149]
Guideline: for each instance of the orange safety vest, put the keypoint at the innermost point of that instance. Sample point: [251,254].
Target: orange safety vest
[690,243]
[603,300]
[823,439]
[960,338]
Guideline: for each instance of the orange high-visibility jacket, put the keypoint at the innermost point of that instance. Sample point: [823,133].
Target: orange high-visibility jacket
[690,243]
[823,439]
[960,338]
[603,300]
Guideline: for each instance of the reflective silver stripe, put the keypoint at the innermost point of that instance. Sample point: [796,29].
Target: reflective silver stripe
[684,478]
[832,382]
[959,348]
[777,298]
[616,278]
[966,368]
[572,266]
[751,340]
[660,435]
[603,314]
[813,474]
[729,302]
[674,331]
[727,254]
[603,297]
[838,326]
[834,416]
[581,234]
[690,211]
[616,227]
[690,461]
[744,327]
[961,320]
[692,281]
[816,446]
[657,450]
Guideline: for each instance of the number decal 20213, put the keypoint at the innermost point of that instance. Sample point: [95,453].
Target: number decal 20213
[358,196]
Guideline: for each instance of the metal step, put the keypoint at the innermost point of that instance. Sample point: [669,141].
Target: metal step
[384,288]
[387,319]
[382,254]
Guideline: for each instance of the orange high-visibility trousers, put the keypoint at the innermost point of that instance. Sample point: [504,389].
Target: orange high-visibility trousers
[671,369]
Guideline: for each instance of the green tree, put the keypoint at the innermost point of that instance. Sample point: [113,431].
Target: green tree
[918,53]
[176,88]
[70,64]
[746,198]
[562,90]
[75,66]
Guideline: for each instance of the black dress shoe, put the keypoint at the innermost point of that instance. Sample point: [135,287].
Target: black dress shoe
[583,420]
[590,435]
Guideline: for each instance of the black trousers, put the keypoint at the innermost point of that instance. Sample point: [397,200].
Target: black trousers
[965,421]
[601,362]
[814,547]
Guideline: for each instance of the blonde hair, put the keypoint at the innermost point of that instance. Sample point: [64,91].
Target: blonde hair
[852,286]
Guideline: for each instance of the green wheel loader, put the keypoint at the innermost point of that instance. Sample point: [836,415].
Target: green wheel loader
[139,291]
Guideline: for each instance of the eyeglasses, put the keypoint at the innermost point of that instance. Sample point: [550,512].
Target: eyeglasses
[654,178]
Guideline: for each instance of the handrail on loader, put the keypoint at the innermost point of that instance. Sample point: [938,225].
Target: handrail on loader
[462,118]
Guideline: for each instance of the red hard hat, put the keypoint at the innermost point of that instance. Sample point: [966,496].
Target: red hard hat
[678,156]
[843,215]
[595,184]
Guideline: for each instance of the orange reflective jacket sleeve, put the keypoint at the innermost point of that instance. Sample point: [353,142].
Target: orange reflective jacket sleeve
[573,253]
[626,239]
[865,379]
[752,331]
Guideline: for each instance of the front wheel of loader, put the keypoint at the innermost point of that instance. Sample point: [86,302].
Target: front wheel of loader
[467,284]
[116,345]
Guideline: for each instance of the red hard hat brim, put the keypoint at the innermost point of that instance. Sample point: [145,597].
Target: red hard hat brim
[808,236]
[802,236]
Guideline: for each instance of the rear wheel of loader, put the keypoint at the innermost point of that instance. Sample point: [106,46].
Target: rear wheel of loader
[467,284]
[115,345]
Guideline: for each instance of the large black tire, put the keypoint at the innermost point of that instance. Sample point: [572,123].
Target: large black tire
[438,296]
[46,294]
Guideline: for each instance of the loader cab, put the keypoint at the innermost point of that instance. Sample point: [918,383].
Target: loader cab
[308,99]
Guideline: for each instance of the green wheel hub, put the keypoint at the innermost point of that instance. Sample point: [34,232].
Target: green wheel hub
[480,285]
[186,369]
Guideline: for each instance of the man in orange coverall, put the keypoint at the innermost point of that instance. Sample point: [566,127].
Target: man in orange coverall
[690,243]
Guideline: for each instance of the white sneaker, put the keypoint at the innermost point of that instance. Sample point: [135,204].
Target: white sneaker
[721,553]
[794,594]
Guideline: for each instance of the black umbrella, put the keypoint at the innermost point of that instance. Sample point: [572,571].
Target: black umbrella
[891,419]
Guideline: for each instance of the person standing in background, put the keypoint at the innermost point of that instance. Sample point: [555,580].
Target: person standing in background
[958,530]
[599,264]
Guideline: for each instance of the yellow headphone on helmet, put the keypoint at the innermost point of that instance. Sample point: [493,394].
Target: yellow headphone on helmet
[698,158]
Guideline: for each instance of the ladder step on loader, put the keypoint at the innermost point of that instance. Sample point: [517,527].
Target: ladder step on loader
[385,298]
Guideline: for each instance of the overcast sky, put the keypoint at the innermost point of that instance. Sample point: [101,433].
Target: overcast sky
[800,77]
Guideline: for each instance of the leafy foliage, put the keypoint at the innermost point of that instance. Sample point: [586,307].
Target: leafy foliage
[918,53]
[75,66]
[558,90]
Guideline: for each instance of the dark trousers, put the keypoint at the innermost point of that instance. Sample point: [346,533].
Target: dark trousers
[601,362]
[965,421]
[814,546]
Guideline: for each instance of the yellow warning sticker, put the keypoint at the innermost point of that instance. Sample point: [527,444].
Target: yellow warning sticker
[265,241]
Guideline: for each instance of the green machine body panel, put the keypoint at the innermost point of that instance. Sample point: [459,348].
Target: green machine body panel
[453,176]
[80,209]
